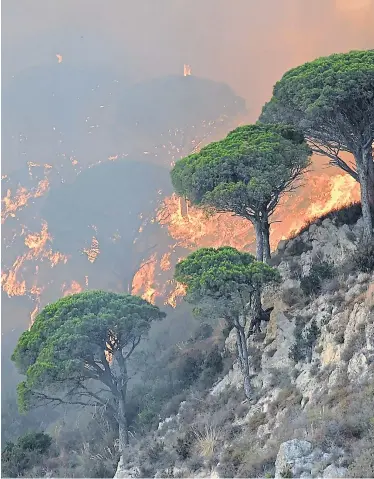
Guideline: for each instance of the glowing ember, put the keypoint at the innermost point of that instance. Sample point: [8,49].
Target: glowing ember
[59,57]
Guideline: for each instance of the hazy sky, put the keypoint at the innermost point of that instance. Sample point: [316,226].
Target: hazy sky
[246,43]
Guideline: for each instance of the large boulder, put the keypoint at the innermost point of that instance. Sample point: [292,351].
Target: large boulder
[291,458]
[334,472]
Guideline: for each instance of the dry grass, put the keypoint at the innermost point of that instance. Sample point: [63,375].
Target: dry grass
[206,441]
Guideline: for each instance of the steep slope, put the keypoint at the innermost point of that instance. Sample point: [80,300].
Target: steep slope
[312,366]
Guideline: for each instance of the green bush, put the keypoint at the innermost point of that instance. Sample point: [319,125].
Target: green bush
[189,369]
[311,284]
[363,258]
[214,361]
[28,451]
[304,341]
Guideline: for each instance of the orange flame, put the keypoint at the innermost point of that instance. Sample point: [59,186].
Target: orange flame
[37,245]
[143,283]
[21,198]
[93,251]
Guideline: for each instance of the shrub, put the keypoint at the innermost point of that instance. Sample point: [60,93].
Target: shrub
[214,361]
[184,445]
[363,257]
[189,369]
[295,269]
[304,341]
[311,284]
[348,215]
[363,464]
[291,296]
[28,451]
[297,247]
[204,331]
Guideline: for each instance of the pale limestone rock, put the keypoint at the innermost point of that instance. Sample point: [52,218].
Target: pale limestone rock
[312,229]
[355,291]
[233,378]
[289,455]
[124,472]
[338,377]
[230,343]
[333,471]
[363,278]
[369,332]
[330,354]
[357,320]
[357,367]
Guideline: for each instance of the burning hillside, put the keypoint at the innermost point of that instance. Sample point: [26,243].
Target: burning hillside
[114,223]
[73,223]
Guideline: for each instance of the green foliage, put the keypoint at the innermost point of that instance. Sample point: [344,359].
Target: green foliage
[331,99]
[189,369]
[68,340]
[363,257]
[244,173]
[311,284]
[304,341]
[224,274]
[213,361]
[26,452]
[338,87]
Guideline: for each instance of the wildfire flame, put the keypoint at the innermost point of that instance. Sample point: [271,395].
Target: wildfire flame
[192,228]
[12,281]
[93,251]
[143,283]
[13,203]
[59,57]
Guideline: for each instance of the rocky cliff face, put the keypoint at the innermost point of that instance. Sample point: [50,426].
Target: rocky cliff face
[313,370]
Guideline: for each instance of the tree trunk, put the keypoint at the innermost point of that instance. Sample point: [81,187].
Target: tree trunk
[255,312]
[363,170]
[122,426]
[244,359]
[371,181]
[259,240]
[121,395]
[266,239]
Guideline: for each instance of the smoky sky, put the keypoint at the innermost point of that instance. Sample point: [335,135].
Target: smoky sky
[248,44]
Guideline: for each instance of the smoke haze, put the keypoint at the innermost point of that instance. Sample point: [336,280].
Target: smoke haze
[72,99]
[245,43]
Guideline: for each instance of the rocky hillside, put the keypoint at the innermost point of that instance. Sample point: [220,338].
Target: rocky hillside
[312,376]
